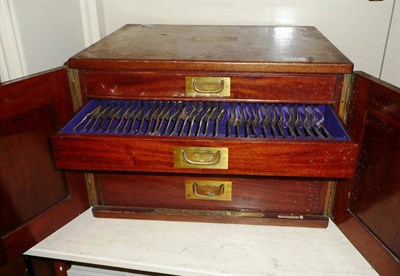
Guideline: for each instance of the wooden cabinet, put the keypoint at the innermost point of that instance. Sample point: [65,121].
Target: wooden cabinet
[280,174]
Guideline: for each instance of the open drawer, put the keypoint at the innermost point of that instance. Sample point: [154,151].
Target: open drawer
[215,137]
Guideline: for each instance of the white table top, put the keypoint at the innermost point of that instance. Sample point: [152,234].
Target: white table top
[187,248]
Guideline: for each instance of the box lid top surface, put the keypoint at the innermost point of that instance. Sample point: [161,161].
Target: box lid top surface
[225,48]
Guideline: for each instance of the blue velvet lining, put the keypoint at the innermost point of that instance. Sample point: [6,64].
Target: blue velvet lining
[98,123]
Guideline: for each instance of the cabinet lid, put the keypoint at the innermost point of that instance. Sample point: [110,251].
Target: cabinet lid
[215,48]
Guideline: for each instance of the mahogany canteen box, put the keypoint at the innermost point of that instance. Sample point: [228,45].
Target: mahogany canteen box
[210,123]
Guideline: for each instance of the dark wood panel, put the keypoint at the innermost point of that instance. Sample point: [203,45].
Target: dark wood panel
[369,246]
[15,267]
[29,181]
[215,48]
[304,88]
[23,266]
[22,95]
[36,198]
[248,157]
[375,197]
[284,196]
[366,208]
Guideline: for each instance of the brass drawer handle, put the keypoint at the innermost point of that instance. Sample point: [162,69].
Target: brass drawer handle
[215,159]
[211,192]
[201,157]
[206,91]
[208,86]
[208,189]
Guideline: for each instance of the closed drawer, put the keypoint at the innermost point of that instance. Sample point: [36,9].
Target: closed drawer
[152,144]
[274,196]
[294,88]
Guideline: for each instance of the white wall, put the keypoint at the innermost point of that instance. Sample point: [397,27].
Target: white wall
[391,65]
[51,32]
[47,33]
[54,30]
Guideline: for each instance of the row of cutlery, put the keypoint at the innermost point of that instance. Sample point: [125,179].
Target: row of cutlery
[203,119]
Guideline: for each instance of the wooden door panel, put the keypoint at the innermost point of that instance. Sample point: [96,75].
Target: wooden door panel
[375,198]
[367,207]
[35,198]
[27,168]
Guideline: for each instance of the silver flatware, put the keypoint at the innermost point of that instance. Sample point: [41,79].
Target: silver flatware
[313,119]
[232,119]
[220,116]
[321,121]
[90,114]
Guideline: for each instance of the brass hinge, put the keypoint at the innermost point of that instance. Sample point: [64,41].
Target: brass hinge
[346,95]
[91,188]
[75,89]
[330,198]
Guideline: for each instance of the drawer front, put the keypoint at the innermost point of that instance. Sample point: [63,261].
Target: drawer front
[278,196]
[274,158]
[304,88]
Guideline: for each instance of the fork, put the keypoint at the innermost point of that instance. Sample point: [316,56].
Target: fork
[145,116]
[124,117]
[173,117]
[99,116]
[196,117]
[160,118]
[219,118]
[247,119]
[232,119]
[203,118]
[240,119]
[155,113]
[255,122]
[263,122]
[108,115]
[314,125]
[133,115]
[274,120]
[183,114]
[93,112]
[116,114]
[308,124]
[321,121]
[188,118]
[281,121]
[289,122]
[212,116]
[297,123]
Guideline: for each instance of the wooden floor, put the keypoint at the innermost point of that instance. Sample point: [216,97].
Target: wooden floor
[203,248]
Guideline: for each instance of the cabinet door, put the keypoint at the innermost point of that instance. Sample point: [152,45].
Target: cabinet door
[367,207]
[35,198]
